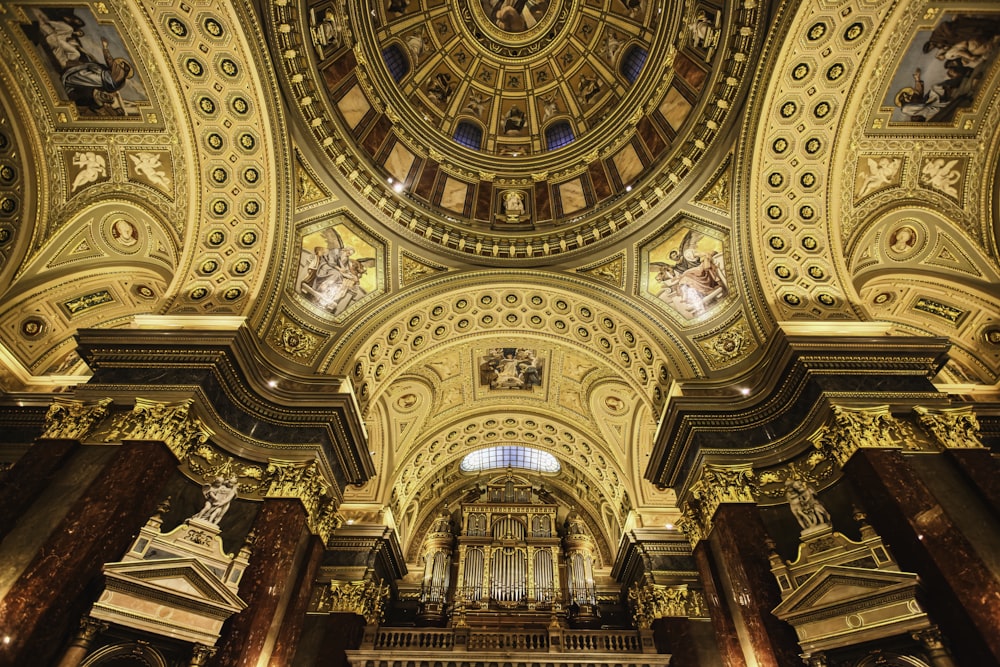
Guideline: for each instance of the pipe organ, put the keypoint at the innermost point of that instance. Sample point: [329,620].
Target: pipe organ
[510,557]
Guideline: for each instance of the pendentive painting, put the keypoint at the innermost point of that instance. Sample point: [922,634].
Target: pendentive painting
[686,271]
[511,368]
[338,267]
[943,69]
[87,61]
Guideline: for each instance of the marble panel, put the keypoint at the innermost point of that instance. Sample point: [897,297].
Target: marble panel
[600,179]
[484,201]
[399,162]
[689,71]
[675,108]
[454,194]
[628,164]
[353,106]
[543,203]
[295,615]
[722,620]
[572,197]
[29,477]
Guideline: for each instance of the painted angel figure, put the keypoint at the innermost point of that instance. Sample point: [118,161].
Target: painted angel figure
[92,166]
[148,165]
[880,173]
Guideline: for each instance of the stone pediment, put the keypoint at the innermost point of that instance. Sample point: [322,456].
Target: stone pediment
[834,587]
[181,578]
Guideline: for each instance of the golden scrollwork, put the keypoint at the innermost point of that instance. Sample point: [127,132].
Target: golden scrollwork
[364,598]
[72,420]
[293,479]
[654,601]
[857,428]
[717,485]
[953,428]
[172,423]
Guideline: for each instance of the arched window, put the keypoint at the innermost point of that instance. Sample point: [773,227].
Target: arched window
[632,63]
[469,135]
[558,134]
[509,456]
[396,62]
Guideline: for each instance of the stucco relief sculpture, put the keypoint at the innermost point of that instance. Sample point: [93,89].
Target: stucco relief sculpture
[72,420]
[955,428]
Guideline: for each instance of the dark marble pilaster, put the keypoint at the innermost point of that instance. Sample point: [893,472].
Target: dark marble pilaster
[982,471]
[53,591]
[962,594]
[673,636]
[28,478]
[344,633]
[722,620]
[295,615]
[278,530]
[737,542]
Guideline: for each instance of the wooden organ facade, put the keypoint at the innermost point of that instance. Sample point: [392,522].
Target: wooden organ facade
[505,552]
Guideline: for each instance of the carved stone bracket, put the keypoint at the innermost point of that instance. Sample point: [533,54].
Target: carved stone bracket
[654,601]
[952,428]
[171,423]
[858,428]
[717,485]
[364,598]
[69,419]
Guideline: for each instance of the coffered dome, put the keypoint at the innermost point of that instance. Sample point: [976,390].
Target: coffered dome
[547,125]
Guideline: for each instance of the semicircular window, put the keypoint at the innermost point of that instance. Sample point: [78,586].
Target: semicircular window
[558,135]
[509,456]
[469,135]
[632,63]
[396,62]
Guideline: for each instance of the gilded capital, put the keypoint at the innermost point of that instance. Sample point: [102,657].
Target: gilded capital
[171,423]
[858,428]
[654,601]
[69,419]
[294,479]
[952,428]
[364,598]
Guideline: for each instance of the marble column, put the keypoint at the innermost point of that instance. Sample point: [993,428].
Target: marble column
[737,542]
[80,646]
[344,633]
[981,469]
[28,478]
[278,530]
[673,635]
[53,591]
[722,620]
[963,596]
[295,615]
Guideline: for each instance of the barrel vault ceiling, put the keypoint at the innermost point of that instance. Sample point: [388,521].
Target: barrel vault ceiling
[507,223]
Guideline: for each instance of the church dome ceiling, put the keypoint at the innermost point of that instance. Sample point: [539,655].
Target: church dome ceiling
[518,129]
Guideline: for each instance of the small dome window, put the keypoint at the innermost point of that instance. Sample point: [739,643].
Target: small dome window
[558,135]
[510,456]
[632,63]
[469,135]
[396,62]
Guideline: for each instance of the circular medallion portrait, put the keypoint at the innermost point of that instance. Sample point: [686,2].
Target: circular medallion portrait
[902,240]
[124,233]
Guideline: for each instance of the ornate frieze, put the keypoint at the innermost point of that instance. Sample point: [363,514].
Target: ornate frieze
[654,601]
[364,598]
[69,419]
[952,428]
[857,428]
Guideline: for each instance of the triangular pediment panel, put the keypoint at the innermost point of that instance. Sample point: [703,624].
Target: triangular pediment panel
[832,585]
[185,576]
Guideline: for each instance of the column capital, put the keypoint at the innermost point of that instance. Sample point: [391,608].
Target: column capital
[952,428]
[852,429]
[363,597]
[201,654]
[170,422]
[717,485]
[70,419]
[654,601]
